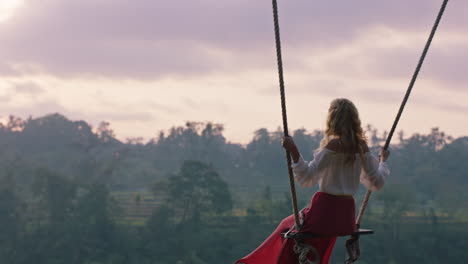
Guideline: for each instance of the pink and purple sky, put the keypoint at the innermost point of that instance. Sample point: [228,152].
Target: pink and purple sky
[147,65]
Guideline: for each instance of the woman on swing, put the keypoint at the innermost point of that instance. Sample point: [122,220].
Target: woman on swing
[342,161]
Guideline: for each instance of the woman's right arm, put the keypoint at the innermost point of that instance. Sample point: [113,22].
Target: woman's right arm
[374,173]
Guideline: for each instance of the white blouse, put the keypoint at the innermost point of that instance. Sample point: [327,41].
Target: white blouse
[329,171]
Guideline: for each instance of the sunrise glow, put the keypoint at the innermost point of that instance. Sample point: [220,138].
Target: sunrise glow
[8,8]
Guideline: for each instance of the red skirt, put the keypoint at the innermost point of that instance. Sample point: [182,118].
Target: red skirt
[327,215]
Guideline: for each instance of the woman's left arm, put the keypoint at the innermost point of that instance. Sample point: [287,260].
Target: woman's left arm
[305,172]
[289,145]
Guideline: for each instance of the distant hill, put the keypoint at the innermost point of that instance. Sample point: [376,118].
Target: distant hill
[76,150]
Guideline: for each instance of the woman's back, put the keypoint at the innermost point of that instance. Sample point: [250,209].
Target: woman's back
[334,173]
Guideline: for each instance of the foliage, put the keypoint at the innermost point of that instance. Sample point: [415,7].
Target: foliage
[196,190]
[214,201]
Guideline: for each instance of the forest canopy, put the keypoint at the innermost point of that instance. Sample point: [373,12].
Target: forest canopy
[71,193]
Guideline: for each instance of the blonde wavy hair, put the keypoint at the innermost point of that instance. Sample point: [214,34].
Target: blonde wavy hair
[343,123]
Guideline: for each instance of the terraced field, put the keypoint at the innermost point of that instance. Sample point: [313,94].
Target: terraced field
[135,209]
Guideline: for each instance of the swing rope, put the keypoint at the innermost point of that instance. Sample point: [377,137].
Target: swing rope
[405,99]
[352,244]
[283,109]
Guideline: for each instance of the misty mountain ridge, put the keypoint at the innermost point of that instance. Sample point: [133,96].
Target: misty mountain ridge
[76,150]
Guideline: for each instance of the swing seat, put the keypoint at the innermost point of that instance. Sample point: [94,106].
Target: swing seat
[361,231]
[302,235]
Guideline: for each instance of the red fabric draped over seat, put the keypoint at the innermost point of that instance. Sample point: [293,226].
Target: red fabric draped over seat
[327,215]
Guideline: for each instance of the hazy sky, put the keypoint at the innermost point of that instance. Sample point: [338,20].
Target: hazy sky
[146,65]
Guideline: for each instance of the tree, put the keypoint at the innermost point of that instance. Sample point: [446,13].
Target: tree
[10,219]
[15,123]
[105,133]
[196,190]
[56,193]
[397,201]
[160,235]
[94,226]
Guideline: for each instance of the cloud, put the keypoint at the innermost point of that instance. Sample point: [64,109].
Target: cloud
[162,107]
[205,104]
[445,104]
[7,70]
[379,95]
[147,39]
[43,107]
[132,62]
[5,98]
[29,88]
[135,116]
[450,66]
[446,61]
[39,108]
[14,90]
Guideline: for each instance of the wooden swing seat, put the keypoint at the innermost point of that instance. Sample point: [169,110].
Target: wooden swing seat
[303,235]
